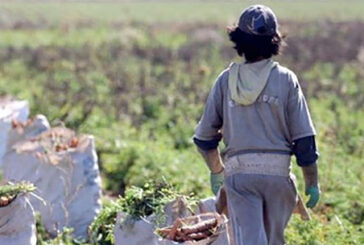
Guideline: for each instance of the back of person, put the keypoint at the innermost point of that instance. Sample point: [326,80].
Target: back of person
[257,107]
[270,123]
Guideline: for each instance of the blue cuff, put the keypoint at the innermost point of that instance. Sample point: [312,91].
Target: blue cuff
[305,151]
[207,145]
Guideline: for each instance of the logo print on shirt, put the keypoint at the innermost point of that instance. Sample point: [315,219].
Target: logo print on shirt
[269,99]
[273,100]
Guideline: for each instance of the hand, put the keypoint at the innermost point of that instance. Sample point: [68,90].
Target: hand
[310,174]
[216,181]
[314,193]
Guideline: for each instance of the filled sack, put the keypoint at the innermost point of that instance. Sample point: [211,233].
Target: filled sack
[142,231]
[65,171]
[177,217]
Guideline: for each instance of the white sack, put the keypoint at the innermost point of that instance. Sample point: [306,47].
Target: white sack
[17,223]
[142,232]
[10,110]
[68,180]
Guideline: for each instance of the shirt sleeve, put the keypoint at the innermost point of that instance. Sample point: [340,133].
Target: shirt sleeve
[211,121]
[207,145]
[299,119]
[305,151]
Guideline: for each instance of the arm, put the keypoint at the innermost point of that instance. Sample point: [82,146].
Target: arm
[307,155]
[304,145]
[310,174]
[207,135]
[211,155]
[214,163]
[212,159]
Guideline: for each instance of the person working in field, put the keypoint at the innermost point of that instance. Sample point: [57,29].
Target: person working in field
[257,107]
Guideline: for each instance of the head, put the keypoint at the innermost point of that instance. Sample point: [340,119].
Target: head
[256,36]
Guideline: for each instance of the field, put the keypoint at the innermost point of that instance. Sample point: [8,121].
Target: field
[136,75]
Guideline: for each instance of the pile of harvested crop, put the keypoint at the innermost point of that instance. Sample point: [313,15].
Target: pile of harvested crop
[137,205]
[194,228]
[57,140]
[16,124]
[8,192]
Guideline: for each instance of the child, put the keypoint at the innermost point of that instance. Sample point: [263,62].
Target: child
[257,107]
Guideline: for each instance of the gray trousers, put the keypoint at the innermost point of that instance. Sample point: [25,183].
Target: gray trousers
[259,207]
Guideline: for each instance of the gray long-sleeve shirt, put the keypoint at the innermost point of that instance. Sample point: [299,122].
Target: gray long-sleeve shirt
[278,117]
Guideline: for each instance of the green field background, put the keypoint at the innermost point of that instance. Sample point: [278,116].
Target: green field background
[136,75]
[180,11]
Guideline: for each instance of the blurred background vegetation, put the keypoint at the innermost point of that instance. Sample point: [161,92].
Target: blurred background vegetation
[136,75]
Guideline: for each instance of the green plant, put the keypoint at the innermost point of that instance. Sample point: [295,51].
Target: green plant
[63,238]
[137,203]
[13,189]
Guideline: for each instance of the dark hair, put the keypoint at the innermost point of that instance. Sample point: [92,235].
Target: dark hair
[254,47]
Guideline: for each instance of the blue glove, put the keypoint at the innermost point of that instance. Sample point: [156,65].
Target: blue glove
[216,181]
[314,193]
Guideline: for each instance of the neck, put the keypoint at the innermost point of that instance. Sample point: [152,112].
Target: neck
[255,60]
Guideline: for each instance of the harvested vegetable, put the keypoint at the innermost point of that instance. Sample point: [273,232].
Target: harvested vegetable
[194,228]
[74,142]
[61,147]
[200,227]
[198,236]
[21,125]
[48,144]
[173,232]
[5,200]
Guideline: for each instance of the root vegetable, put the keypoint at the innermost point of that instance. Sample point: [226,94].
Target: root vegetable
[199,235]
[74,142]
[192,228]
[172,234]
[61,147]
[4,201]
[164,232]
[18,124]
[14,124]
[200,227]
